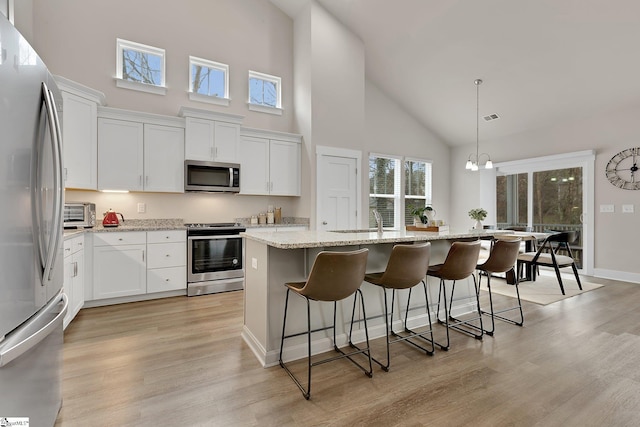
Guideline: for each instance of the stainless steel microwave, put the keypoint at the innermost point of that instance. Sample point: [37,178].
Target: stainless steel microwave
[211,176]
[79,215]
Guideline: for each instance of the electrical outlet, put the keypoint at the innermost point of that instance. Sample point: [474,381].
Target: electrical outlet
[142,207]
[254,263]
[627,208]
[607,208]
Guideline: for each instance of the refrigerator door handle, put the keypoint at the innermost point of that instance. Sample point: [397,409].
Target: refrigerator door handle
[32,332]
[58,219]
[54,129]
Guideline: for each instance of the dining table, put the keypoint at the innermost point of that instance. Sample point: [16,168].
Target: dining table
[530,239]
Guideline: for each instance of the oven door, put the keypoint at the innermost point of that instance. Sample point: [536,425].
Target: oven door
[214,258]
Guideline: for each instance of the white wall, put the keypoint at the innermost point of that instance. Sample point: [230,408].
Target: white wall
[616,235]
[77,40]
[390,130]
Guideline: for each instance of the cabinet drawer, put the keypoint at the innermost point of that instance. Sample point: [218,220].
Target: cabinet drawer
[120,238]
[162,255]
[166,279]
[73,245]
[167,236]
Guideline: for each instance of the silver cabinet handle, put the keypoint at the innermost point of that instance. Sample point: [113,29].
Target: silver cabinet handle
[75,269]
[142,256]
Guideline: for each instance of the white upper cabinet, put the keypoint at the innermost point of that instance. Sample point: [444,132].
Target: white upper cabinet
[79,134]
[140,152]
[270,163]
[120,154]
[163,158]
[211,136]
[254,166]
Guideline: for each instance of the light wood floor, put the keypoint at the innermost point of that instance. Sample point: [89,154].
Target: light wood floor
[181,362]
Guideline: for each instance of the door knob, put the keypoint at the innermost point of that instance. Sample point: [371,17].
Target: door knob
[324,222]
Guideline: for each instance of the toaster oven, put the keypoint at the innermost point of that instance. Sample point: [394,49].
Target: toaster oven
[79,215]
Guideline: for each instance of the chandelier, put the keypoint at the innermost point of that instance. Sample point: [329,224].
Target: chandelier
[473,161]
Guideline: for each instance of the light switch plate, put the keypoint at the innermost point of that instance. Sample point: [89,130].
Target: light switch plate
[607,208]
[254,263]
[142,207]
[627,208]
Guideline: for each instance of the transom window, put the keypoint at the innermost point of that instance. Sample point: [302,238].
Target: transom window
[140,67]
[208,81]
[265,93]
[397,186]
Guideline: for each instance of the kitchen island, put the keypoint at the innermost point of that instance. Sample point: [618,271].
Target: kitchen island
[271,259]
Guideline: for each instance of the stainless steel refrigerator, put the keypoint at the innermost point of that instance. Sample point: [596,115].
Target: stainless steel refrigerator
[32,304]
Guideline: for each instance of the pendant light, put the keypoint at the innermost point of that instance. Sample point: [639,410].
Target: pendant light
[473,162]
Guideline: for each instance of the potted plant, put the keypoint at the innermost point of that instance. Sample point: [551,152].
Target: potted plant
[478,214]
[423,214]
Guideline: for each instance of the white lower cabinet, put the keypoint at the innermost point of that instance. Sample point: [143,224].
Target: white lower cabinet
[138,263]
[74,276]
[119,264]
[167,261]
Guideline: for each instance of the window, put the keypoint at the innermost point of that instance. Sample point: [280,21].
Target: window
[264,93]
[140,67]
[384,189]
[387,178]
[549,193]
[208,81]
[417,178]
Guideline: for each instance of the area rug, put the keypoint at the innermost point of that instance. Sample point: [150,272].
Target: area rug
[545,290]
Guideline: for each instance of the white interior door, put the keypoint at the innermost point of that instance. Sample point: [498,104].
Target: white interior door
[337,207]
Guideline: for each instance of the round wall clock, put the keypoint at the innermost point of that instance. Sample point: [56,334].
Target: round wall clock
[622,170]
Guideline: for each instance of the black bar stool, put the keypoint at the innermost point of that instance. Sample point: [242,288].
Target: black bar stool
[334,276]
[460,263]
[406,268]
[502,259]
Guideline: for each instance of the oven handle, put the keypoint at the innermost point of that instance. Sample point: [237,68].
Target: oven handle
[228,236]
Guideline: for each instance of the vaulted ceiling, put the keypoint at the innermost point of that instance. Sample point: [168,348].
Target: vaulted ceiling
[543,62]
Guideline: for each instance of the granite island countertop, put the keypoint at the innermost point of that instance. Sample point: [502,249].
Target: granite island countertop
[316,239]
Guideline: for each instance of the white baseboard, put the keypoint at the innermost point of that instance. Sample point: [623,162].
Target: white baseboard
[255,346]
[617,275]
[324,344]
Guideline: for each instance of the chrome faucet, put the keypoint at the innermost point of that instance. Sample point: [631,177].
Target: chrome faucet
[378,217]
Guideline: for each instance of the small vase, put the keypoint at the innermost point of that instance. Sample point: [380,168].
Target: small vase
[478,225]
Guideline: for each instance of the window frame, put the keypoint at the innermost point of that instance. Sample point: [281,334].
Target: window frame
[399,197]
[210,99]
[261,107]
[428,184]
[398,188]
[121,45]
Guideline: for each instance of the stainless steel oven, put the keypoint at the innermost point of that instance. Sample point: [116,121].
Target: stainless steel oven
[215,258]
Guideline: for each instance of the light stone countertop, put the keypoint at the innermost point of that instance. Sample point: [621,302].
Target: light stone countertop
[132,225]
[316,239]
